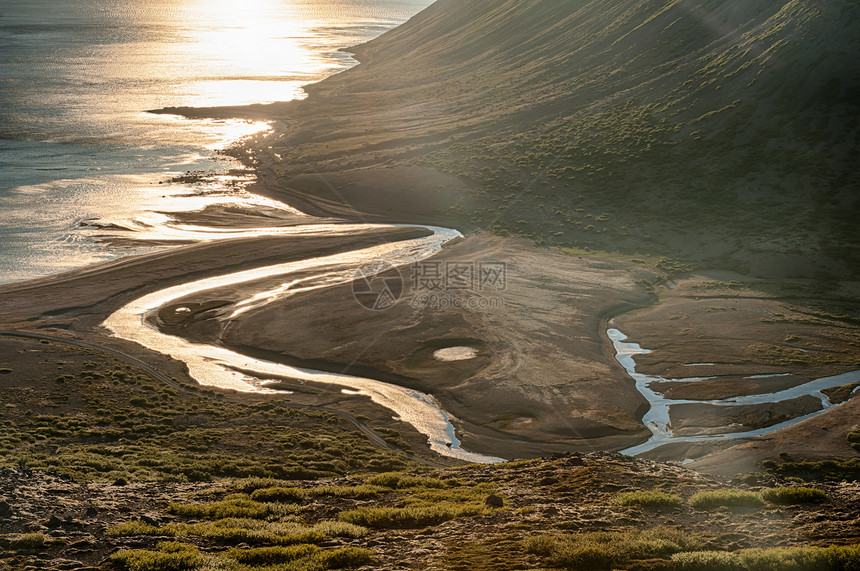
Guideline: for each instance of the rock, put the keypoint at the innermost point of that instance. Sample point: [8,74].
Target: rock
[5,508]
[150,519]
[64,564]
[54,522]
[494,501]
[120,482]
[751,479]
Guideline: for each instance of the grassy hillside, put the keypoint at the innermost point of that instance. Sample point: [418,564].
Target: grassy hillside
[725,133]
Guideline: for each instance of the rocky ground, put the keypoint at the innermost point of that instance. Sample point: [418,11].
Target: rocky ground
[573,495]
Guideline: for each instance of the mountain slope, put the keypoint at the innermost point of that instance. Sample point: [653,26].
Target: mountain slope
[723,132]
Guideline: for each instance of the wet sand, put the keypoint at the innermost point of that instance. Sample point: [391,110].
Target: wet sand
[542,376]
[751,338]
[542,379]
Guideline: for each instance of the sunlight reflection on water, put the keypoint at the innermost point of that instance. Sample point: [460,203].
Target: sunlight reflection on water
[218,366]
[77,76]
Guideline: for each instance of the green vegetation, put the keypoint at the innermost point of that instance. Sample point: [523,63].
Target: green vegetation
[411,516]
[707,561]
[168,556]
[647,499]
[854,439]
[791,495]
[402,481]
[269,519]
[835,470]
[293,494]
[173,556]
[726,498]
[271,555]
[280,494]
[602,550]
[234,507]
[252,531]
[556,516]
[105,420]
[677,550]
[35,540]
[833,558]
[302,557]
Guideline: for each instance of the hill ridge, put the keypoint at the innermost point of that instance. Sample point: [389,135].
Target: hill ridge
[689,112]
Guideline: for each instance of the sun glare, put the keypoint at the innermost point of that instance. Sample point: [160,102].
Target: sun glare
[249,51]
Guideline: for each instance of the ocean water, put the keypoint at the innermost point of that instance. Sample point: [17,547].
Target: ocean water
[77,148]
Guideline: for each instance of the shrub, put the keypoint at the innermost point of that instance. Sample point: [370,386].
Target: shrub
[30,541]
[346,557]
[360,492]
[646,498]
[583,557]
[271,555]
[838,469]
[834,558]
[398,481]
[237,507]
[330,528]
[600,549]
[248,485]
[279,494]
[301,557]
[854,439]
[726,498]
[170,556]
[707,561]
[409,517]
[251,531]
[542,545]
[791,495]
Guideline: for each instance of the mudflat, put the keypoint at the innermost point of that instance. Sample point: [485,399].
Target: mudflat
[733,335]
[542,378]
[539,374]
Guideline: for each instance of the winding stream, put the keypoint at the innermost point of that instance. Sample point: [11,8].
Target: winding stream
[217,366]
[657,418]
